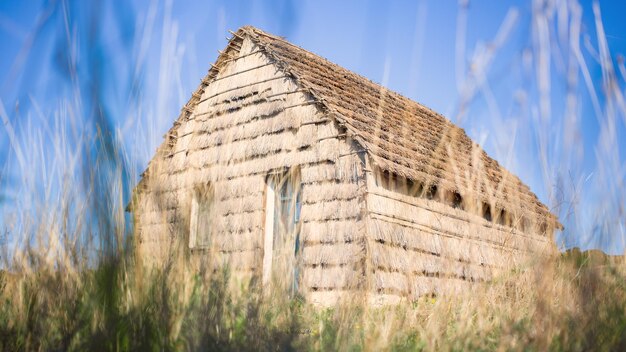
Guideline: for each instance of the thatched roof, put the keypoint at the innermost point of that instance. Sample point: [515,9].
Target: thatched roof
[401,136]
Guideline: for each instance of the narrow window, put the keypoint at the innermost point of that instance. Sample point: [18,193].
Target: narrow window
[523,224]
[401,185]
[385,180]
[502,217]
[282,228]
[431,192]
[454,199]
[415,189]
[201,217]
[457,200]
[487,212]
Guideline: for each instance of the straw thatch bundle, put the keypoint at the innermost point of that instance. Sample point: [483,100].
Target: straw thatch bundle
[395,201]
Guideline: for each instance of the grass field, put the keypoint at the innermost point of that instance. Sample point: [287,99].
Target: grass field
[575,302]
[69,279]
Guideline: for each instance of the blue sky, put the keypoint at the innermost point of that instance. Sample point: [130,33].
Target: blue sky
[135,63]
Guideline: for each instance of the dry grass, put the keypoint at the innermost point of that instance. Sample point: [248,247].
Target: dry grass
[564,304]
[71,281]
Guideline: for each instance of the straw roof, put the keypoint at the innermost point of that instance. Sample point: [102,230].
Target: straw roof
[401,136]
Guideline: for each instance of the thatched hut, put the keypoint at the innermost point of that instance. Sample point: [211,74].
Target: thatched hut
[290,169]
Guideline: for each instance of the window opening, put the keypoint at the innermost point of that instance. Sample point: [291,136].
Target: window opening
[282,229]
[201,221]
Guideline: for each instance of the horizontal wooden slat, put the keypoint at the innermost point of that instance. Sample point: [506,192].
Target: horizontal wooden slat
[411,262]
[332,254]
[422,216]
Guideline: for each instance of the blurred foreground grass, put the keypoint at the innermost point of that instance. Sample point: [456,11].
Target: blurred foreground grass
[575,302]
[72,171]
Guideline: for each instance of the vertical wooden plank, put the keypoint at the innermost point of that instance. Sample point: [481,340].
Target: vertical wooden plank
[269,231]
[193,228]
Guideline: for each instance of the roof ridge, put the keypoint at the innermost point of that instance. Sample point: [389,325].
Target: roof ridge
[287,54]
[258,31]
